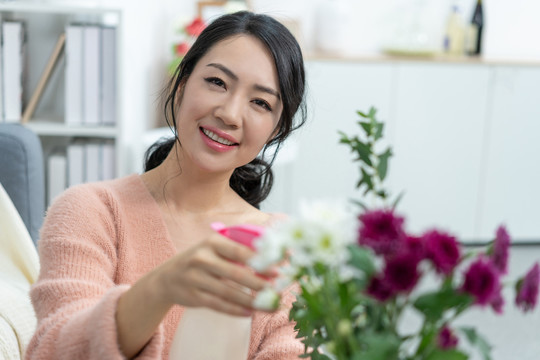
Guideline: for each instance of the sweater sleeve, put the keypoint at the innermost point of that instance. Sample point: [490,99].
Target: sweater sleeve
[277,338]
[75,297]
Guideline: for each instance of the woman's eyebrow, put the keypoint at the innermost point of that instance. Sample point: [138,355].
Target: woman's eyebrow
[225,69]
[232,75]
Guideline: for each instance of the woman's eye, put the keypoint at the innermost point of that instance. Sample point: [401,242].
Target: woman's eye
[263,104]
[216,81]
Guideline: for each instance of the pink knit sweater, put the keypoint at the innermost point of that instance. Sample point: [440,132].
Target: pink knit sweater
[96,241]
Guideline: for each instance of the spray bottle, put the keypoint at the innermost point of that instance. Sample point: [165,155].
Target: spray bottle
[205,334]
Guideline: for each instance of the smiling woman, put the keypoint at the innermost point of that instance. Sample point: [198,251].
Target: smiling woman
[123,260]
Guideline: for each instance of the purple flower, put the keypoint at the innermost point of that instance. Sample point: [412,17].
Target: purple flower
[415,245]
[447,339]
[527,289]
[379,289]
[501,247]
[497,302]
[401,272]
[443,250]
[382,231]
[482,281]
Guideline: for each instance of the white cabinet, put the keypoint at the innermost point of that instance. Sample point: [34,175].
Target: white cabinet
[511,184]
[465,137]
[438,143]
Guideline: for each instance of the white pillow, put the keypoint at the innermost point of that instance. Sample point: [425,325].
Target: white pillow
[19,269]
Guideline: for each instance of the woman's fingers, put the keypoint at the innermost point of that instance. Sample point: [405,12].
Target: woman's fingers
[226,291]
[222,305]
[214,274]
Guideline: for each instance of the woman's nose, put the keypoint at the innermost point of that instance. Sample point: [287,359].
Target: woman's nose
[230,111]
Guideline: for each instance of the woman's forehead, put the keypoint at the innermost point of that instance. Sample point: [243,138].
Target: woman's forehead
[243,54]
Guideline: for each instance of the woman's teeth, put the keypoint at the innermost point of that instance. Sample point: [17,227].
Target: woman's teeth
[216,138]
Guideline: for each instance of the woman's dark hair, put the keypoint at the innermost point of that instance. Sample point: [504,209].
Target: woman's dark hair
[252,181]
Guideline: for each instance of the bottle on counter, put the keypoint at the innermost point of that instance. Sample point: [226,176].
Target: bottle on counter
[454,38]
[474,31]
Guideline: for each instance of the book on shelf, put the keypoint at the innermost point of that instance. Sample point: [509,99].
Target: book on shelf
[108,163]
[13,69]
[108,76]
[76,168]
[82,161]
[92,160]
[74,74]
[90,75]
[56,174]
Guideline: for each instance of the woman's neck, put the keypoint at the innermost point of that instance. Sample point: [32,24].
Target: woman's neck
[184,189]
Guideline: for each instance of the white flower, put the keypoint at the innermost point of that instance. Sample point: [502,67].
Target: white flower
[267,299]
[269,248]
[328,228]
[319,235]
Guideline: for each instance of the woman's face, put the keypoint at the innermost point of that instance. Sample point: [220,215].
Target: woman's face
[230,105]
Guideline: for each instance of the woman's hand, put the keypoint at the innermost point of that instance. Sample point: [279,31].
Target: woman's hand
[212,274]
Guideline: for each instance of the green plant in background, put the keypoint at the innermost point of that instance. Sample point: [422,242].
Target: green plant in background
[359,272]
[373,164]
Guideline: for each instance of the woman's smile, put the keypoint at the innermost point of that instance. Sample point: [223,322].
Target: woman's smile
[216,142]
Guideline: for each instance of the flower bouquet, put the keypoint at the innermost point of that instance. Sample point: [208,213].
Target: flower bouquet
[188,34]
[361,274]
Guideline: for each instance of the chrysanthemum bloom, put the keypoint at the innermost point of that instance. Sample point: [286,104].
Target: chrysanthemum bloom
[401,272]
[482,281]
[379,289]
[415,245]
[447,339]
[497,302]
[501,247]
[443,250]
[527,289]
[382,231]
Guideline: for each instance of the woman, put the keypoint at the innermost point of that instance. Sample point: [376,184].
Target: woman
[120,260]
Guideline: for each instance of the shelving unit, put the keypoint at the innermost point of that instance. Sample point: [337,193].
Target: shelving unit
[45,22]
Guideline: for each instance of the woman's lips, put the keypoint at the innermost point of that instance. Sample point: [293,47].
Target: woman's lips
[217,140]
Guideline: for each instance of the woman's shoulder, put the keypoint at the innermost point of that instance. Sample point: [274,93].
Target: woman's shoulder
[89,192]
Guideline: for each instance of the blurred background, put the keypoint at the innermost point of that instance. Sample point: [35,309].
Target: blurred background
[461,111]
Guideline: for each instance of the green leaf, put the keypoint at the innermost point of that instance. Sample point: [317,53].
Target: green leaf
[477,340]
[434,304]
[366,126]
[364,115]
[398,199]
[427,335]
[344,138]
[378,131]
[380,346]
[364,152]
[439,354]
[372,112]
[366,178]
[362,259]
[382,166]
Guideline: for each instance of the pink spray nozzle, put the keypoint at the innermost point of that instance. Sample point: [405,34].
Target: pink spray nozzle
[243,234]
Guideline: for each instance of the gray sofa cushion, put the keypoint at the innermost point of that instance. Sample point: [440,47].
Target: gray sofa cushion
[21,174]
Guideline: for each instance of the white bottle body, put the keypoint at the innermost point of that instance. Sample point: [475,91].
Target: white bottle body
[205,334]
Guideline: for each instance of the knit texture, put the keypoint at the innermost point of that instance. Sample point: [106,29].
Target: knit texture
[96,241]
